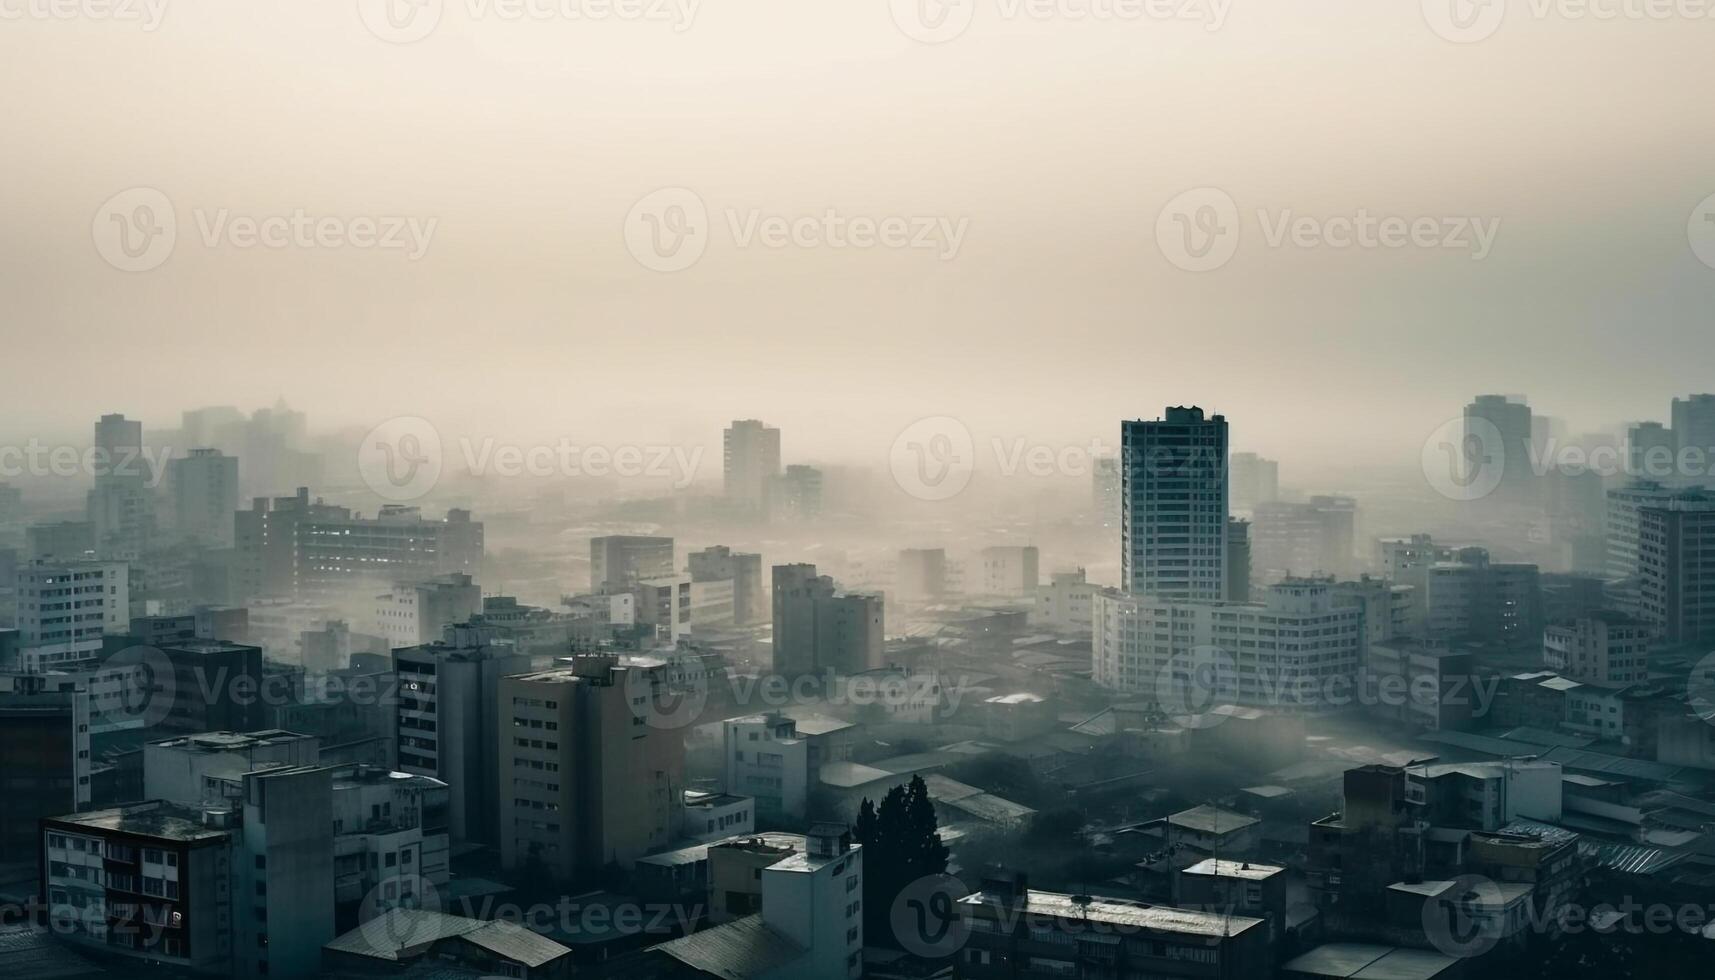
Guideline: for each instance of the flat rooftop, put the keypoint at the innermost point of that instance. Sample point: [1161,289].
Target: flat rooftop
[167,821]
[231,741]
[1134,915]
[1362,961]
[1234,869]
[1211,820]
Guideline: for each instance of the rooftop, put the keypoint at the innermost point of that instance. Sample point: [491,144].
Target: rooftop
[1362,961]
[231,741]
[403,934]
[1234,869]
[157,818]
[736,950]
[1117,912]
[1211,820]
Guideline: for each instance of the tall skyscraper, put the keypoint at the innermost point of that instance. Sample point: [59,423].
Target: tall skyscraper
[1694,428]
[752,464]
[121,504]
[1174,494]
[1499,432]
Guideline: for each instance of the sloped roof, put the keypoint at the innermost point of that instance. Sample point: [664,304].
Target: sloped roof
[736,950]
[400,934]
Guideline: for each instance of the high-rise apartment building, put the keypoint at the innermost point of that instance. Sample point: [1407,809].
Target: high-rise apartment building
[751,453]
[583,780]
[449,721]
[1262,654]
[798,493]
[204,489]
[417,613]
[1676,567]
[921,575]
[1694,429]
[1010,570]
[749,592]
[1255,481]
[1499,430]
[122,503]
[294,548]
[44,752]
[1604,648]
[1174,498]
[1315,537]
[64,609]
[818,629]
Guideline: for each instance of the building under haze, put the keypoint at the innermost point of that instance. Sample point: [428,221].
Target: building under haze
[751,466]
[204,489]
[449,721]
[65,608]
[1255,481]
[1174,499]
[1314,537]
[1508,445]
[1286,652]
[584,782]
[121,505]
[619,561]
[719,563]
[1010,570]
[818,629]
[292,547]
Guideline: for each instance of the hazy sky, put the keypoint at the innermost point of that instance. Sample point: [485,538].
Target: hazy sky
[1053,144]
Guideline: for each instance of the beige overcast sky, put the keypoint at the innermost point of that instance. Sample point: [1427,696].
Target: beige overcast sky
[1054,143]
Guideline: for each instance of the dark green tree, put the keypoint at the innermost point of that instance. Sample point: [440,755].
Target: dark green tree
[901,843]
